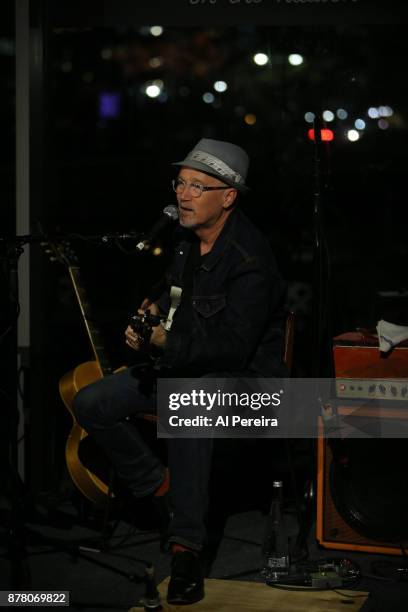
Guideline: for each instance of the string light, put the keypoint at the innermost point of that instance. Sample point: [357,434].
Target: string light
[360,124]
[328,115]
[325,135]
[250,119]
[353,135]
[309,117]
[156,30]
[208,97]
[155,62]
[154,89]
[295,59]
[385,111]
[373,112]
[261,59]
[220,86]
[383,124]
[341,113]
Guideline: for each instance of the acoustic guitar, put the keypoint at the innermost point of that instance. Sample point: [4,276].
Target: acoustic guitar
[91,485]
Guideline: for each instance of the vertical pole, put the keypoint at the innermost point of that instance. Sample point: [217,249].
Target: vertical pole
[322,364]
[22,208]
[30,208]
[39,447]
[318,299]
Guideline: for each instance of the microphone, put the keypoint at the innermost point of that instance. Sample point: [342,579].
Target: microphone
[169,215]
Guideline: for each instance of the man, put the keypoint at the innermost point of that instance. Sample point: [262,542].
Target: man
[228,322]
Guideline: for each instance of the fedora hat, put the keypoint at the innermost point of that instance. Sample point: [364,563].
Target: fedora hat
[224,160]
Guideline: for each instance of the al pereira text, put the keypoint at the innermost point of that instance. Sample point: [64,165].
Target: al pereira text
[225,420]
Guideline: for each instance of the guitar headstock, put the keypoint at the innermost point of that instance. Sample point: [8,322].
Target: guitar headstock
[62,252]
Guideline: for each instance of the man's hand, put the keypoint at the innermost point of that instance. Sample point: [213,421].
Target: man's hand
[132,339]
[158,337]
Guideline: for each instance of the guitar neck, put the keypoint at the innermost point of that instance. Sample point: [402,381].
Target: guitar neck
[94,334]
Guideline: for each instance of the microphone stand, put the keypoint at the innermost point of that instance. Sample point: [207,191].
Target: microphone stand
[322,358]
[321,277]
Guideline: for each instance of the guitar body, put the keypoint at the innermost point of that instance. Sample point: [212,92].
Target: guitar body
[87,482]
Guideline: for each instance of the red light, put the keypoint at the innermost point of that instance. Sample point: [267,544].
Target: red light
[326,135]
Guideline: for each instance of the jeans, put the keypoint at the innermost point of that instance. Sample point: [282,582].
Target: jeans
[101,409]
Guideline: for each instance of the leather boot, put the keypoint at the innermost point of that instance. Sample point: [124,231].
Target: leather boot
[186,584]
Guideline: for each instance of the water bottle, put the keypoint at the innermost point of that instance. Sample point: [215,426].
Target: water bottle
[275,546]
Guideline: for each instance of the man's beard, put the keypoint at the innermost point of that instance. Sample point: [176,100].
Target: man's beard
[188,224]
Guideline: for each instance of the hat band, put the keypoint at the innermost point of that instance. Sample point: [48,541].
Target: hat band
[216,164]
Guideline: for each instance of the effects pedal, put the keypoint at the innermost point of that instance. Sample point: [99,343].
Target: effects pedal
[318,574]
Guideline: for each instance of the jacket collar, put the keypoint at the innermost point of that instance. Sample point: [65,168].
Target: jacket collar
[221,243]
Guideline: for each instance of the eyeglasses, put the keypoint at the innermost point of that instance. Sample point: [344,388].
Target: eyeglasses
[196,189]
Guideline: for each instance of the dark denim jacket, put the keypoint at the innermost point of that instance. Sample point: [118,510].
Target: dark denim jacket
[233,321]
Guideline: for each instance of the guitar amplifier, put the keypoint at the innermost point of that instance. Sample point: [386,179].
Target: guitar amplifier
[363,506]
[362,371]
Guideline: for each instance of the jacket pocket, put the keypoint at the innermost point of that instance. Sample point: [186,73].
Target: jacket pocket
[209,305]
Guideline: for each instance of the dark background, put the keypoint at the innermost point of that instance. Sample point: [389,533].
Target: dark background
[94,174]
